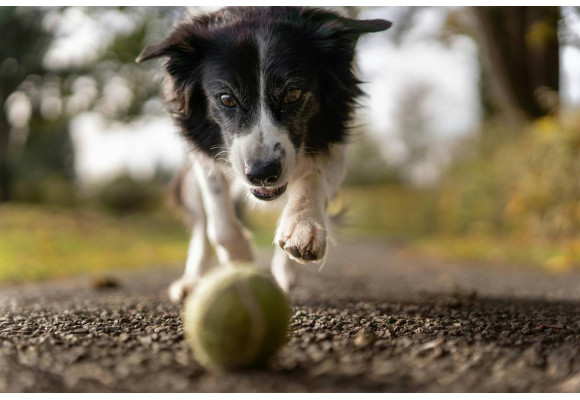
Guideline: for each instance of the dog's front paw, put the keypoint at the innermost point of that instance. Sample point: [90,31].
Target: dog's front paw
[179,289]
[303,238]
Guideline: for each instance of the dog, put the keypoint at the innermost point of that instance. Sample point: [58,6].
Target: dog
[264,95]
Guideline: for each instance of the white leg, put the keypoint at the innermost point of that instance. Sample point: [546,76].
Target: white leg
[199,252]
[283,269]
[302,229]
[224,230]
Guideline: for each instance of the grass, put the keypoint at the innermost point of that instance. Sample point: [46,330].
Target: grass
[42,242]
[398,212]
[370,211]
[39,242]
[555,257]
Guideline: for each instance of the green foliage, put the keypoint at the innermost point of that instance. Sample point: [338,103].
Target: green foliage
[108,82]
[50,189]
[473,194]
[127,195]
[391,210]
[545,200]
[518,181]
[116,64]
[48,151]
[367,166]
[22,47]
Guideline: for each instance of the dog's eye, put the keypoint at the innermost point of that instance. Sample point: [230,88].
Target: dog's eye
[292,95]
[227,100]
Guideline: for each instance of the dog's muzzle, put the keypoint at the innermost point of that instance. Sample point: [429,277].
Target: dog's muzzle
[264,175]
[268,193]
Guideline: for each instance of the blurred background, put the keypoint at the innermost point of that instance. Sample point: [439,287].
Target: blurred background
[466,147]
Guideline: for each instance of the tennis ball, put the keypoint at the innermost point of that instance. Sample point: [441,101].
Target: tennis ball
[236,317]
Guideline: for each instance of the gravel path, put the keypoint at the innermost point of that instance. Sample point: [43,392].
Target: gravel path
[375,319]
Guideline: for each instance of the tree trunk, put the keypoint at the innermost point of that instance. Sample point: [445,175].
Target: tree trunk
[521,57]
[5,168]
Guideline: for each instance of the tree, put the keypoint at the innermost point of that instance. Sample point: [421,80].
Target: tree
[520,56]
[21,49]
[40,145]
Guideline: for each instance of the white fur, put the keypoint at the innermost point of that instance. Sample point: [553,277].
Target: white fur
[303,223]
[198,252]
[258,145]
[207,199]
[283,269]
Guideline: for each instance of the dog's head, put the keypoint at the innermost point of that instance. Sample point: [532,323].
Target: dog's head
[262,87]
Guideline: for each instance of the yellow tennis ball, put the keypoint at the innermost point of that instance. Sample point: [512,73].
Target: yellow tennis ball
[236,317]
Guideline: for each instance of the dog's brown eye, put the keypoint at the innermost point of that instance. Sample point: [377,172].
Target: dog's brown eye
[292,95]
[228,100]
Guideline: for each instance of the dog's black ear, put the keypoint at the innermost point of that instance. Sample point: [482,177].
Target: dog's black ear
[360,26]
[178,42]
[153,51]
[329,21]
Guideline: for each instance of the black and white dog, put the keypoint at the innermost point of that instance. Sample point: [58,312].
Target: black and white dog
[264,95]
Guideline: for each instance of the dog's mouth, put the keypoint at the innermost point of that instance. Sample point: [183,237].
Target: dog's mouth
[268,193]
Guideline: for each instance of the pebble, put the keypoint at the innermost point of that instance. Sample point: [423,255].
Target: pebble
[364,339]
[114,341]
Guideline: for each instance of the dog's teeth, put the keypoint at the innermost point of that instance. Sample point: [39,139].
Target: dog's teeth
[268,193]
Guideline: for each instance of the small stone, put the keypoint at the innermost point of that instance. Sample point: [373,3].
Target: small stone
[104,282]
[145,340]
[364,339]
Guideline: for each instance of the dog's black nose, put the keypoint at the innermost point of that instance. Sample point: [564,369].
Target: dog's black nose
[263,173]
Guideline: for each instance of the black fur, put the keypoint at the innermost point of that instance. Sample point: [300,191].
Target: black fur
[292,47]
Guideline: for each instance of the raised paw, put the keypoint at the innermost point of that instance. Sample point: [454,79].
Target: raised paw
[303,238]
[179,289]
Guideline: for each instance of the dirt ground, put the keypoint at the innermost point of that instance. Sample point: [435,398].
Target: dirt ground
[374,319]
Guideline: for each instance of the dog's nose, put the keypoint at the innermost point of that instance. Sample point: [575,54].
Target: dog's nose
[263,173]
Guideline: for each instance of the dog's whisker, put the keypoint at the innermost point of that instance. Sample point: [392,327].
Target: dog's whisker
[217,147]
[230,174]
[223,155]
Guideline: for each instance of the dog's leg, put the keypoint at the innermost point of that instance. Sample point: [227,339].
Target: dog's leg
[198,253]
[224,230]
[283,269]
[302,229]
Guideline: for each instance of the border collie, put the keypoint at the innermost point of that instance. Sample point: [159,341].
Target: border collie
[264,95]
